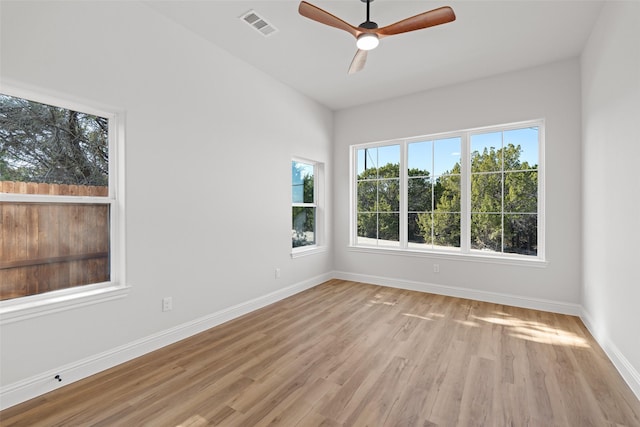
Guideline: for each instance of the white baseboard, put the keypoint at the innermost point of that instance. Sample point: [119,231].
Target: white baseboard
[45,382]
[474,294]
[622,364]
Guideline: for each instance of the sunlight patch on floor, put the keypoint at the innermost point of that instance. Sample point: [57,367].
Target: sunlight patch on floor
[417,316]
[536,331]
[194,421]
[378,300]
[468,323]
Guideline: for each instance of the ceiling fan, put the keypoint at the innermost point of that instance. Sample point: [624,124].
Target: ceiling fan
[368,34]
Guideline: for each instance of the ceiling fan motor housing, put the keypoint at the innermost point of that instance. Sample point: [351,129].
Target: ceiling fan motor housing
[369,25]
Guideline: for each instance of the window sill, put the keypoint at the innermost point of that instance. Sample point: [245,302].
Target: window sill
[310,250]
[24,308]
[456,256]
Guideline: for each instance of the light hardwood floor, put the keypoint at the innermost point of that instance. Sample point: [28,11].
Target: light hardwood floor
[351,354]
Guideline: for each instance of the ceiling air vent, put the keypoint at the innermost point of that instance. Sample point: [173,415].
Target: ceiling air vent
[258,23]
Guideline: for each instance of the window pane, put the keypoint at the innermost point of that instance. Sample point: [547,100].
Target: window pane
[521,234]
[303,230]
[368,196]
[302,179]
[389,161]
[52,246]
[446,153]
[486,192]
[446,229]
[419,195]
[368,163]
[486,232]
[378,229]
[420,158]
[486,152]
[389,227]
[521,192]
[419,227]
[379,162]
[521,149]
[46,144]
[367,226]
[447,193]
[389,195]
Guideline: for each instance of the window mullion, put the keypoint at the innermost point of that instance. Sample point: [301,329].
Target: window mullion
[353,190]
[541,192]
[502,192]
[43,198]
[433,193]
[404,185]
[465,190]
[377,204]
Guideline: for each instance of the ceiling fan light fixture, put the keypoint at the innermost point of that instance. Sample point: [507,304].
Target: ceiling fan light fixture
[367,41]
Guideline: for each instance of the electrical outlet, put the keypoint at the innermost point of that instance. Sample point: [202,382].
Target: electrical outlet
[167,304]
[436,268]
[277,273]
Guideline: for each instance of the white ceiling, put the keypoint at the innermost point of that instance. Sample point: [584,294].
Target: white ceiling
[487,38]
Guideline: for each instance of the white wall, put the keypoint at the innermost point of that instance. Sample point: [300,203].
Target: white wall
[551,92]
[611,189]
[209,141]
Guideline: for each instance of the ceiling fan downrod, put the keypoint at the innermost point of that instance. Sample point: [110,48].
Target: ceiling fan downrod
[368,24]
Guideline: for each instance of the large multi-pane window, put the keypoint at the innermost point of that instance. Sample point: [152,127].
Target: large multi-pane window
[58,202]
[474,191]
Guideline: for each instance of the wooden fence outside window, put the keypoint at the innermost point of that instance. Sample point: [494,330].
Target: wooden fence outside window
[50,246]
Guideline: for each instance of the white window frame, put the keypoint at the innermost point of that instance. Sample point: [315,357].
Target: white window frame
[22,308]
[318,198]
[464,252]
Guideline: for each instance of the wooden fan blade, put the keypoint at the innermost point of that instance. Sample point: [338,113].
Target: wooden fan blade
[322,16]
[428,19]
[358,61]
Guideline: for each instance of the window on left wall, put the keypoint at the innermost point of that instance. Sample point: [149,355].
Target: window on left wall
[306,207]
[303,203]
[59,201]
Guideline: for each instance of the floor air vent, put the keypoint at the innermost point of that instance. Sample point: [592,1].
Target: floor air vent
[258,23]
